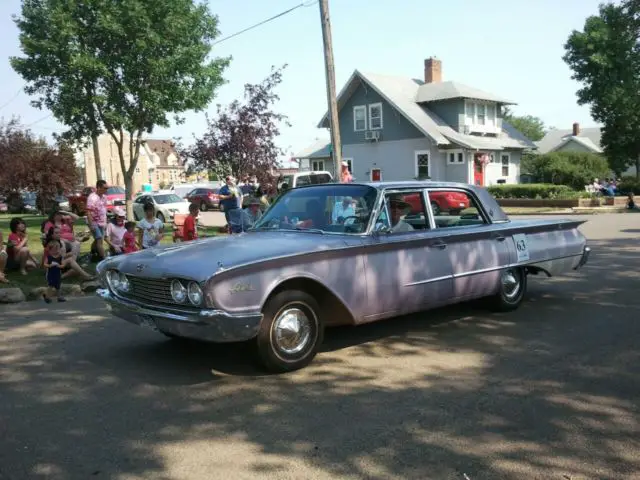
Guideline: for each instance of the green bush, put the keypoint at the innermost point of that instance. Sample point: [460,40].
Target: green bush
[628,185]
[574,169]
[534,190]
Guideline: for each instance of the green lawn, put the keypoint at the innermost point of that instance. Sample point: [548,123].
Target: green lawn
[35,278]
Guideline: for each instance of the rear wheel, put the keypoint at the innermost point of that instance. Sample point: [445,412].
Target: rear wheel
[511,291]
[291,331]
[203,206]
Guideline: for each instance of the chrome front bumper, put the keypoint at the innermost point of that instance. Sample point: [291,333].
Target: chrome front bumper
[584,259]
[207,325]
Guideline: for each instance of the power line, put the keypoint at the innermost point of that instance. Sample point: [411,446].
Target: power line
[12,98]
[281,14]
[37,121]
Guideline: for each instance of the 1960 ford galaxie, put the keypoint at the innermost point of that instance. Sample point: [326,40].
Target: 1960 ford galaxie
[338,254]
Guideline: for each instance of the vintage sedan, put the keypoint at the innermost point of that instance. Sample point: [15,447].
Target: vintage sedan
[337,254]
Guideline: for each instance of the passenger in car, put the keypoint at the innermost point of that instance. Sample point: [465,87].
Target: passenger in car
[398,208]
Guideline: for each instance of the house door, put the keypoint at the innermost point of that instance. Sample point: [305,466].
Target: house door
[376,175]
[478,170]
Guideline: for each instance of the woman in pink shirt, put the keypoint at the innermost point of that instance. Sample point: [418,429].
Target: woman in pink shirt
[345,174]
[115,232]
[64,221]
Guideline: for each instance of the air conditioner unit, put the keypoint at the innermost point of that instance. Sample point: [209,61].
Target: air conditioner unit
[372,135]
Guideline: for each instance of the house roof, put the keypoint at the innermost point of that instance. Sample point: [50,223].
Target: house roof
[554,139]
[401,93]
[163,148]
[431,92]
[319,149]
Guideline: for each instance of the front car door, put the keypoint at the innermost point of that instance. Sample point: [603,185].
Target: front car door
[407,268]
[477,253]
[138,206]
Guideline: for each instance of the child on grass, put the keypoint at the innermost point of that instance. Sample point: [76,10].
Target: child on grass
[190,229]
[53,266]
[129,238]
[151,228]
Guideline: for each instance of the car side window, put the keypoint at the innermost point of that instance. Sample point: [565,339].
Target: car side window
[402,212]
[454,208]
[141,199]
[303,180]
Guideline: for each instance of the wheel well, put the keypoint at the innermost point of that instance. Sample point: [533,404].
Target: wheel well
[536,270]
[333,310]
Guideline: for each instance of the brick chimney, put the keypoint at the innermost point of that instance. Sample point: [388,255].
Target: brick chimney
[576,129]
[432,70]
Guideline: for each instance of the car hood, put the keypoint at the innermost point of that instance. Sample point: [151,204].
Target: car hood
[200,259]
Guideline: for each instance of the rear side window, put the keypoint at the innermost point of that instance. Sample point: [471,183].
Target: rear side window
[320,178]
[303,180]
[454,208]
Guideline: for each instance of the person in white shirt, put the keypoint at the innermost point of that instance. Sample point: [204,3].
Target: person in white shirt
[343,210]
[398,208]
[151,229]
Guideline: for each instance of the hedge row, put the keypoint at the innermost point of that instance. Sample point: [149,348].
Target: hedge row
[628,185]
[535,191]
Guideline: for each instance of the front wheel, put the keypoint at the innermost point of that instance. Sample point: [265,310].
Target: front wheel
[203,207]
[291,331]
[511,291]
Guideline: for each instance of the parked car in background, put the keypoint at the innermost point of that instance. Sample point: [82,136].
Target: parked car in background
[78,201]
[205,198]
[338,254]
[441,202]
[301,179]
[166,205]
[184,188]
[4,208]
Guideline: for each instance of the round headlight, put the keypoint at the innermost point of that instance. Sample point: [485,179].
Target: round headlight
[195,293]
[124,283]
[113,278]
[178,292]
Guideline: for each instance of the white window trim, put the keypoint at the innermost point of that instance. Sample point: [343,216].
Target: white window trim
[508,165]
[318,162]
[359,108]
[373,105]
[488,122]
[415,160]
[348,160]
[456,154]
[371,174]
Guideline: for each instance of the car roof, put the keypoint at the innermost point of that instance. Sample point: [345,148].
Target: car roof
[403,184]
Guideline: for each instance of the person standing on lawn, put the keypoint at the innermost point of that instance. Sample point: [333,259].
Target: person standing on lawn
[19,256]
[3,260]
[151,229]
[97,216]
[115,232]
[230,197]
[53,264]
[129,238]
[189,229]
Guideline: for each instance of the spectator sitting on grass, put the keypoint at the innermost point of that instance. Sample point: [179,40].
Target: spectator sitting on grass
[64,221]
[68,264]
[19,256]
[631,203]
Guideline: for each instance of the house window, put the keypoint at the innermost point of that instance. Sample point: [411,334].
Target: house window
[422,165]
[505,158]
[455,157]
[359,118]
[375,116]
[349,164]
[491,114]
[317,165]
[480,113]
[137,169]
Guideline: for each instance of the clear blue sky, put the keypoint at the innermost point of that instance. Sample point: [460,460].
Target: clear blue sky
[511,48]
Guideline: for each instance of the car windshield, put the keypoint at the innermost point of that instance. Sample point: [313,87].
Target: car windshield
[115,191]
[169,198]
[329,208]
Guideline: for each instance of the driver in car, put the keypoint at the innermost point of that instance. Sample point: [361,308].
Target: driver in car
[343,210]
[398,208]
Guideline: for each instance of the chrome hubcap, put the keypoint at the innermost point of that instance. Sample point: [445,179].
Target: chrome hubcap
[510,283]
[292,331]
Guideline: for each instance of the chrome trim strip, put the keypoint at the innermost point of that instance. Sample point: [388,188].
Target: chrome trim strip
[479,271]
[430,280]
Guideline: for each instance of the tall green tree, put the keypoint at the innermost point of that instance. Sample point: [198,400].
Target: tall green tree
[531,127]
[118,67]
[605,59]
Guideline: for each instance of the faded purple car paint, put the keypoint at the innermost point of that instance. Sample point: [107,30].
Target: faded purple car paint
[373,276]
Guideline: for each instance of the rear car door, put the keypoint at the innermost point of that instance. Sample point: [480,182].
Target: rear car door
[476,252]
[407,268]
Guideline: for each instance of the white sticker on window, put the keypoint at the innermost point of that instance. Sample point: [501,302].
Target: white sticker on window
[522,247]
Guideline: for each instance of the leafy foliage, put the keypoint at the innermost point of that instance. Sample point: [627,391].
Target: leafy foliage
[605,58]
[119,67]
[533,191]
[240,140]
[531,127]
[28,163]
[574,169]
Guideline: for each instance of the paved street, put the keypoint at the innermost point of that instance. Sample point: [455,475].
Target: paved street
[550,391]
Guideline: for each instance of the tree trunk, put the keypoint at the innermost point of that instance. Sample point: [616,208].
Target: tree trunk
[638,168]
[128,189]
[96,156]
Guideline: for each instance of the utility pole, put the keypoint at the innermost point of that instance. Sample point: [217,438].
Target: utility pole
[334,124]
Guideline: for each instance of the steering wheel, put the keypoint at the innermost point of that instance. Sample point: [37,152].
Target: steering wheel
[355,219]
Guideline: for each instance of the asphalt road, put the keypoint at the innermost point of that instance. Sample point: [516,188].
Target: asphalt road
[551,391]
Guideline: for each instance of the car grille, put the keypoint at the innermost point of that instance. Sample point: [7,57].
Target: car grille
[152,291]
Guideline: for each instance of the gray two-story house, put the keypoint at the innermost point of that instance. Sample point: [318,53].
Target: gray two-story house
[395,128]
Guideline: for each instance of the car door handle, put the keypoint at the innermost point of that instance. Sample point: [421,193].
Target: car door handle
[439,245]
[500,238]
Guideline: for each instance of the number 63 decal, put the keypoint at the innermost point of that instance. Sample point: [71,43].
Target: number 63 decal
[522,247]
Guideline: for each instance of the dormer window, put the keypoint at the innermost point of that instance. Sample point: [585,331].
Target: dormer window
[480,116]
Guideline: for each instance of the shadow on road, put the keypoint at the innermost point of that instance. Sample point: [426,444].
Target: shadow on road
[547,391]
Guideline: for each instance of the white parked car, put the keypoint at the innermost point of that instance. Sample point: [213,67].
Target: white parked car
[166,205]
